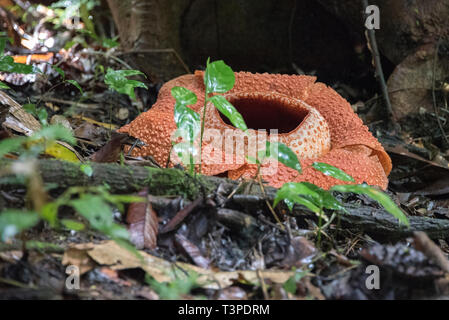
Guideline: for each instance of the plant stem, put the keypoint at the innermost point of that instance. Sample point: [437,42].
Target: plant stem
[206,96]
[319,226]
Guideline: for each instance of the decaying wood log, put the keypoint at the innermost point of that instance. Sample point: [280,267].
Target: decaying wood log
[166,182]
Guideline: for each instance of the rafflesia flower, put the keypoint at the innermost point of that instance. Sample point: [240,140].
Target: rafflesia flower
[310,118]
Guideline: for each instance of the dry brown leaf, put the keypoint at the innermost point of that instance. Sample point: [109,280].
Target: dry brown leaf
[410,84]
[192,251]
[111,254]
[143,223]
[110,152]
[77,255]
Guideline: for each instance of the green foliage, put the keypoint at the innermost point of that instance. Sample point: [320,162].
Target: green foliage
[30,147]
[40,113]
[229,111]
[118,81]
[283,154]
[87,170]
[219,77]
[99,214]
[376,195]
[93,205]
[188,123]
[14,221]
[332,171]
[76,84]
[183,96]
[317,199]
[176,289]
[7,64]
[290,285]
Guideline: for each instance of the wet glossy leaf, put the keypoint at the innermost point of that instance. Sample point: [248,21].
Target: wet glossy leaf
[72,224]
[283,154]
[324,198]
[183,96]
[218,77]
[229,111]
[187,121]
[376,195]
[116,80]
[15,221]
[332,171]
[291,191]
[76,84]
[7,64]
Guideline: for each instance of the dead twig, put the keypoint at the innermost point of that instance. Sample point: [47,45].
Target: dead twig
[435,108]
[371,37]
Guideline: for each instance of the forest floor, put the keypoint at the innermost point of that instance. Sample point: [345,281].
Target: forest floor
[219,245]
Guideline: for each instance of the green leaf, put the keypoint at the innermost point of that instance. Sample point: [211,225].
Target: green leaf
[76,84]
[72,224]
[95,210]
[30,108]
[11,145]
[324,198]
[290,284]
[99,215]
[7,64]
[187,153]
[49,212]
[187,121]
[54,132]
[218,77]
[229,111]
[377,195]
[283,154]
[332,171]
[109,43]
[3,40]
[59,70]
[42,115]
[4,85]
[291,190]
[116,80]
[15,221]
[87,170]
[183,96]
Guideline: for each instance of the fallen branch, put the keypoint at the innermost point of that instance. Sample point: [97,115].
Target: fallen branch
[173,182]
